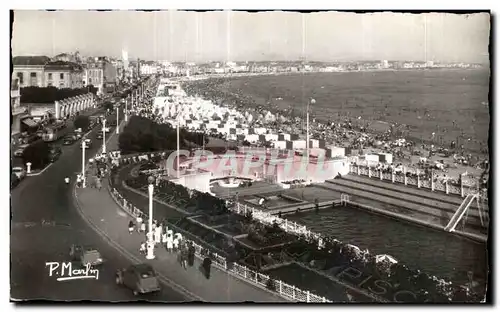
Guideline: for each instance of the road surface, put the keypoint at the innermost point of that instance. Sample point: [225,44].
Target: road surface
[44,225]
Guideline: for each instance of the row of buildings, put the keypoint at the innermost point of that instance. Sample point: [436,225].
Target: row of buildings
[64,71]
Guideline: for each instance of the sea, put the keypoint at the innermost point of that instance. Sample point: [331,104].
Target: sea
[451,103]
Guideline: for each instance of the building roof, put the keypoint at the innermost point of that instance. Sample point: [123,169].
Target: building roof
[61,65]
[30,60]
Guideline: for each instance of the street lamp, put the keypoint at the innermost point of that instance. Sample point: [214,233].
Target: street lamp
[104,136]
[117,119]
[178,148]
[150,244]
[312,101]
[126,108]
[84,145]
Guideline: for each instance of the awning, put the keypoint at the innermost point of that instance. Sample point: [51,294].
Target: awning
[30,122]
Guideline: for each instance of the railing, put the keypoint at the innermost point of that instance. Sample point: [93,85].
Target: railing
[399,177]
[285,290]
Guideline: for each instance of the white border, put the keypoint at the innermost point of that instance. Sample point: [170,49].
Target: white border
[189,4]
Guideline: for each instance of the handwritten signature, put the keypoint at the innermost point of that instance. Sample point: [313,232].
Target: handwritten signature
[65,271]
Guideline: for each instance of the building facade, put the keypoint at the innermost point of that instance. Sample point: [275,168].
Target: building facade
[40,71]
[94,75]
[18,112]
[29,70]
[61,74]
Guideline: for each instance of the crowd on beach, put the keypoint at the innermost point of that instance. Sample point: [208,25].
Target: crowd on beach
[355,135]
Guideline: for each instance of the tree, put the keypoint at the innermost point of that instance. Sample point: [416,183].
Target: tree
[38,154]
[82,122]
[52,94]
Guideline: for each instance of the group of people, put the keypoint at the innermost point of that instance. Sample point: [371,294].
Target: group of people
[163,237]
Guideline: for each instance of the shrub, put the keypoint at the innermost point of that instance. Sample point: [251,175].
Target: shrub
[52,94]
[37,154]
[82,121]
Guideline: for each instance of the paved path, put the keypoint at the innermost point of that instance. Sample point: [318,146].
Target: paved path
[100,209]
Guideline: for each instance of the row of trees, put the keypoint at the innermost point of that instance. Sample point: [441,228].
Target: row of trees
[52,94]
[141,134]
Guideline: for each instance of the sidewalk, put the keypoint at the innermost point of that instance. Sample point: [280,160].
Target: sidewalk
[100,210]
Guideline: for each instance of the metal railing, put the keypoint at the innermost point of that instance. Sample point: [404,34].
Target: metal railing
[285,290]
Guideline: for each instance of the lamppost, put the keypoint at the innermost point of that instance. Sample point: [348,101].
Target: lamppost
[150,248]
[84,146]
[117,119]
[104,136]
[178,148]
[126,108]
[312,101]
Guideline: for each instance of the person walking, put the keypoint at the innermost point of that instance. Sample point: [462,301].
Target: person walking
[170,241]
[191,254]
[138,221]
[66,180]
[206,265]
[142,249]
[131,227]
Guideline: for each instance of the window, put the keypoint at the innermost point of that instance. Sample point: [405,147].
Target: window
[50,76]
[61,76]
[33,75]
[21,78]
[49,84]
[90,80]
[61,84]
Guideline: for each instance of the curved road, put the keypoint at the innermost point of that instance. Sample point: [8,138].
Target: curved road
[34,242]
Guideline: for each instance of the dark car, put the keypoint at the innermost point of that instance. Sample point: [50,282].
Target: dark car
[55,153]
[112,123]
[140,278]
[69,139]
[99,135]
[85,255]
[14,181]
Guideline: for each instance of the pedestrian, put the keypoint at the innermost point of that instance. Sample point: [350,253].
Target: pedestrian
[206,265]
[184,256]
[138,221]
[191,254]
[131,227]
[164,239]
[142,249]
[176,244]
[157,235]
[66,180]
[170,242]
[143,227]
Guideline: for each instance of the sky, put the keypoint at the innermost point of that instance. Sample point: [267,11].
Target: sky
[263,36]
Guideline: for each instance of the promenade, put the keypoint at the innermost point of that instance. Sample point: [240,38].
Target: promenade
[108,219]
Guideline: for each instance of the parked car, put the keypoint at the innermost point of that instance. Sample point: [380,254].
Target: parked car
[19,171]
[55,153]
[20,150]
[14,181]
[30,138]
[77,134]
[69,139]
[140,278]
[85,255]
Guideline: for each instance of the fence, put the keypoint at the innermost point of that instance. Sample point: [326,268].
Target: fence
[285,290]
[399,177]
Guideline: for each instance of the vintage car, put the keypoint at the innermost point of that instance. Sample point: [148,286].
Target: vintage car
[20,150]
[55,153]
[85,255]
[19,171]
[99,136]
[69,139]
[140,278]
